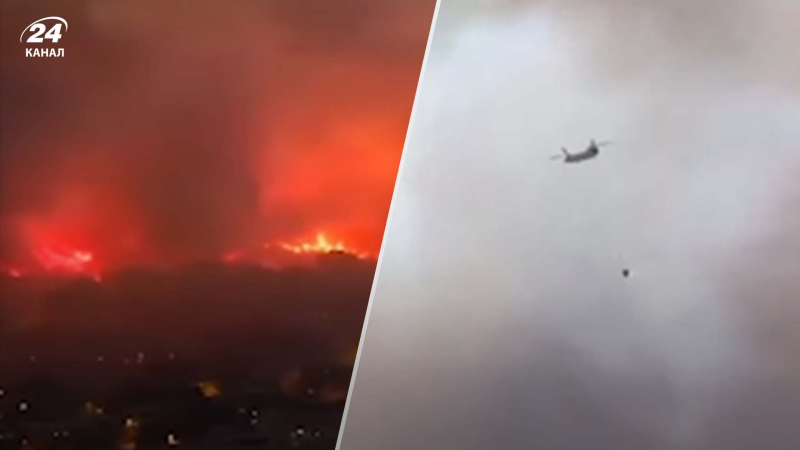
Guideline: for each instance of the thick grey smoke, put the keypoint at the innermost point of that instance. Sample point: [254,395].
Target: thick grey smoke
[501,318]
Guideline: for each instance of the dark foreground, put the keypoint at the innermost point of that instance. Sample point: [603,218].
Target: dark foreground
[209,357]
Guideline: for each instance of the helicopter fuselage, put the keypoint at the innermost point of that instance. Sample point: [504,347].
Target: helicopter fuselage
[589,153]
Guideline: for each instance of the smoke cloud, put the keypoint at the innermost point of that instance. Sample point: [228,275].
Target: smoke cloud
[175,131]
[501,298]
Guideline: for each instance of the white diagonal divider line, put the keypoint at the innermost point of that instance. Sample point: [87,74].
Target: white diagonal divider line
[386,228]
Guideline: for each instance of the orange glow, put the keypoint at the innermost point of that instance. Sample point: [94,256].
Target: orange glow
[252,165]
[232,257]
[62,260]
[280,253]
[209,389]
[12,272]
[321,246]
[75,261]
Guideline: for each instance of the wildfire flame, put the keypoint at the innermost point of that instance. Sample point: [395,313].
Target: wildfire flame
[68,260]
[60,260]
[63,260]
[320,246]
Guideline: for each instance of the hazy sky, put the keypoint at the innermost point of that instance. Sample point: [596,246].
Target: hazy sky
[501,318]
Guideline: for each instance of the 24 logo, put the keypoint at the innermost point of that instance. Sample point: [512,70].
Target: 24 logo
[38,32]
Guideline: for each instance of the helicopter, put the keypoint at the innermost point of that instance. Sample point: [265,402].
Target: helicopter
[591,152]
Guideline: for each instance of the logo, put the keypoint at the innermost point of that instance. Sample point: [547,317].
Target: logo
[38,32]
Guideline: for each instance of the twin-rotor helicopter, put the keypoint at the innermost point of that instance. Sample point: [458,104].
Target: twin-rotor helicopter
[592,151]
